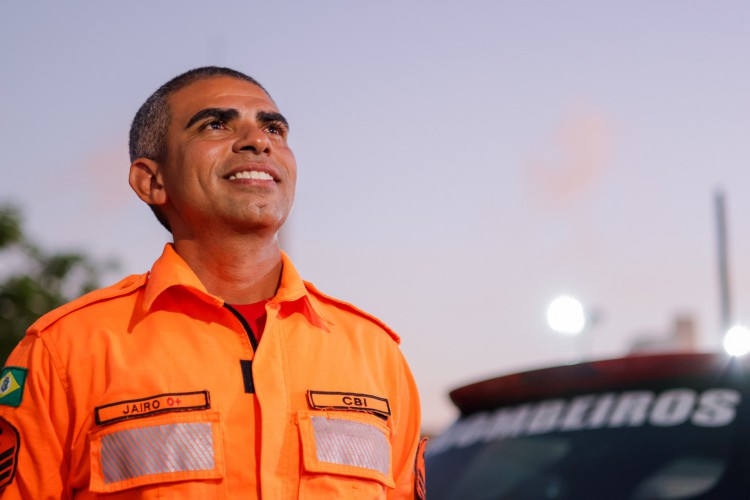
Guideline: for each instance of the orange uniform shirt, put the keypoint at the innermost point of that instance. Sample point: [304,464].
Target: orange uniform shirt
[152,388]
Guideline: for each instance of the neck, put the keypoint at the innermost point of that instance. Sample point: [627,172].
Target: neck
[240,270]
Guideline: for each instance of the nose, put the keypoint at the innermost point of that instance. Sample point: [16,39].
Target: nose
[252,139]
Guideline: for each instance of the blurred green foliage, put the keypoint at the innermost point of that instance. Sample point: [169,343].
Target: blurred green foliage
[34,281]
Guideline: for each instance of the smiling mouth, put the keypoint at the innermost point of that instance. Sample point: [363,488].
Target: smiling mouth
[251,174]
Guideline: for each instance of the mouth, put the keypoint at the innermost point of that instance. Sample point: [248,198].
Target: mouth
[253,173]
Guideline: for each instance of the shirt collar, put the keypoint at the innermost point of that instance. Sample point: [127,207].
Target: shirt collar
[171,270]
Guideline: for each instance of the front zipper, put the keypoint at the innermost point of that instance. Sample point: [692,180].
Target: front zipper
[245,325]
[246,365]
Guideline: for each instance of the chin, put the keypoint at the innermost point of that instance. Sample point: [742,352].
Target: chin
[266,225]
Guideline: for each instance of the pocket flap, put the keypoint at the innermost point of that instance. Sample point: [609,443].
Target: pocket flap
[355,444]
[149,451]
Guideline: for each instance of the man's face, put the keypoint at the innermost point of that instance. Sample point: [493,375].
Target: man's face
[228,164]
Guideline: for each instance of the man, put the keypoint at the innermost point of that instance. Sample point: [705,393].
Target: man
[219,374]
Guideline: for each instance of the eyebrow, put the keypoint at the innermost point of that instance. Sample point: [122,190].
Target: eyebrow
[223,114]
[272,117]
[228,114]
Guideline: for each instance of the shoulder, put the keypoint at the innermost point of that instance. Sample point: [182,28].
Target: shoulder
[348,311]
[125,287]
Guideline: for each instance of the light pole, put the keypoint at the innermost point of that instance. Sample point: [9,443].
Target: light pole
[736,340]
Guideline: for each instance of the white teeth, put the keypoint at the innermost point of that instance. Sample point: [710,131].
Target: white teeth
[252,174]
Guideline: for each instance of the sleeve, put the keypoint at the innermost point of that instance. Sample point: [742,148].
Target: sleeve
[34,419]
[408,464]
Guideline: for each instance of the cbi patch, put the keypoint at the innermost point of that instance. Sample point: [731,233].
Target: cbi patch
[325,400]
[152,405]
[10,443]
[12,382]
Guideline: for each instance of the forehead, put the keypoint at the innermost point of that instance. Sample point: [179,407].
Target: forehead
[219,92]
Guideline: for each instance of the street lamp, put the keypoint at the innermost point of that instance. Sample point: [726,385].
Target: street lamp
[737,341]
[566,315]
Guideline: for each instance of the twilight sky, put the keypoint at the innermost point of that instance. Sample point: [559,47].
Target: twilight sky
[459,165]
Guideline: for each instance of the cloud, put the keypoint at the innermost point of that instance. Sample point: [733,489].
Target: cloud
[569,164]
[106,170]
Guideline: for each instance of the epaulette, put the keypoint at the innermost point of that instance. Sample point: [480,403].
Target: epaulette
[123,287]
[351,308]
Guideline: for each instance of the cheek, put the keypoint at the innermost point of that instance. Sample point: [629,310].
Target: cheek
[203,155]
[292,186]
[291,165]
[196,166]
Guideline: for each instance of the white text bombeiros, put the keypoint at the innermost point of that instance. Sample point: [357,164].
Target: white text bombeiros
[710,408]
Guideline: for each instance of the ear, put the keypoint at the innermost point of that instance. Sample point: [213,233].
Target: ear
[146,180]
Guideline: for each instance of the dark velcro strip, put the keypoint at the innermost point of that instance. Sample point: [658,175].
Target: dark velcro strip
[247,375]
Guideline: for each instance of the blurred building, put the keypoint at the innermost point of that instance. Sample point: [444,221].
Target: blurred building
[681,337]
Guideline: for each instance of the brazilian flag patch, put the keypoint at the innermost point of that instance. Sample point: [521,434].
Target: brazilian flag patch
[12,381]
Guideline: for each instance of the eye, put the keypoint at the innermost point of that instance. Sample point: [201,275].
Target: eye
[214,125]
[276,129]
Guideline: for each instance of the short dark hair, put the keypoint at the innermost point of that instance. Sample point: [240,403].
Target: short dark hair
[148,132]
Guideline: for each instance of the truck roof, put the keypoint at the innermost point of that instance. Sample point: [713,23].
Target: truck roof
[610,374]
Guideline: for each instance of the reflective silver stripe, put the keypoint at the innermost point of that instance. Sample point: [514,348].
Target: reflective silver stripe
[143,451]
[347,442]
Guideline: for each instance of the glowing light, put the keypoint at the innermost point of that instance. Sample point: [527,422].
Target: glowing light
[737,341]
[566,315]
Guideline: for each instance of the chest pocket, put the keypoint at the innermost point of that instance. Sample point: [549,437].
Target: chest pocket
[343,451]
[145,453]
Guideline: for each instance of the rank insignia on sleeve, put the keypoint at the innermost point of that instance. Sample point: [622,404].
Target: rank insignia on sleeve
[12,381]
[420,486]
[9,446]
